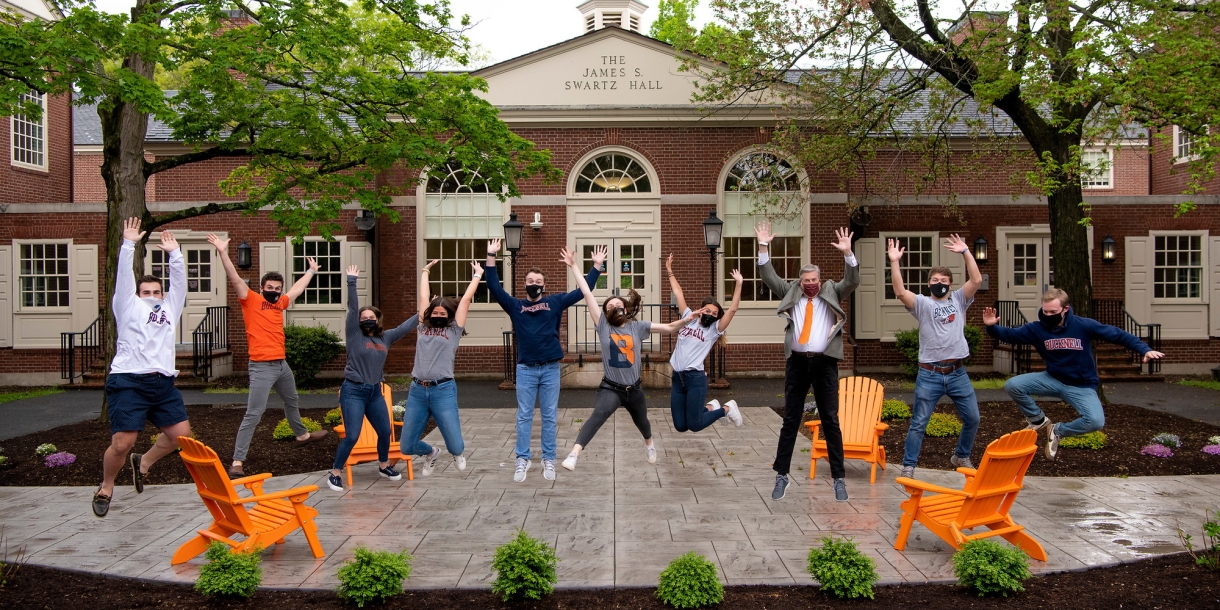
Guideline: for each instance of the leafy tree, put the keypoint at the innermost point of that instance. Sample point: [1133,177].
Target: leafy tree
[897,82]
[314,101]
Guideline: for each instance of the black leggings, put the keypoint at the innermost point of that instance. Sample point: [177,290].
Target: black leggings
[609,399]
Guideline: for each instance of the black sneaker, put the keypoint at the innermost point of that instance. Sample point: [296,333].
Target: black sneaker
[335,482]
[781,487]
[1052,443]
[136,475]
[101,503]
[389,473]
[840,490]
[1046,421]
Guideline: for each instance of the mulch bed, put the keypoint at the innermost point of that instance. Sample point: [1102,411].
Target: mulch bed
[215,425]
[1128,429]
[1165,582]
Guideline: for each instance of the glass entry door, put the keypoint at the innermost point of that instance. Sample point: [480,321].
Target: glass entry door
[627,267]
[1029,272]
[204,283]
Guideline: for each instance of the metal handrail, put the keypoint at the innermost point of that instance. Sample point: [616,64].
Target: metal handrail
[583,337]
[211,334]
[1009,313]
[88,341]
[509,356]
[1114,313]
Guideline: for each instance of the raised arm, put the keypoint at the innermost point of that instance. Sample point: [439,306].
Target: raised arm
[675,326]
[464,306]
[568,258]
[298,288]
[1118,336]
[598,258]
[1019,335]
[851,266]
[425,290]
[494,288]
[762,231]
[222,247]
[974,278]
[125,275]
[673,283]
[176,295]
[351,326]
[900,291]
[723,324]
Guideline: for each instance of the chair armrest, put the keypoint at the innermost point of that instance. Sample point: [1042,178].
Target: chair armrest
[341,430]
[813,424]
[396,423]
[969,472]
[881,427]
[295,491]
[924,486]
[254,478]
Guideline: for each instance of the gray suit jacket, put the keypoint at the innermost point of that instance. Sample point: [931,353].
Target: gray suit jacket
[832,293]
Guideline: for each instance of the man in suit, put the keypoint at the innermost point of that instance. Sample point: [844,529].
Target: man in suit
[813,345]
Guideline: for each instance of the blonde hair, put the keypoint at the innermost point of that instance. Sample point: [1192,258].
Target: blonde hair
[1053,294]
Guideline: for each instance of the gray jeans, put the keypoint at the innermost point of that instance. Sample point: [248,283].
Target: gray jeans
[263,377]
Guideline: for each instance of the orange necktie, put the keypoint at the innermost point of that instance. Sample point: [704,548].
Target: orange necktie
[808,322]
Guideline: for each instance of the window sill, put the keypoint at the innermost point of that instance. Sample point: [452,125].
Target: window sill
[31,169]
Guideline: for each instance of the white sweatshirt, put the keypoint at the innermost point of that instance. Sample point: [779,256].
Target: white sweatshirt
[146,337]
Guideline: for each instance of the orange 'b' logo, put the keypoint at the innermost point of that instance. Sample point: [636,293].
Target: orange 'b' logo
[626,346]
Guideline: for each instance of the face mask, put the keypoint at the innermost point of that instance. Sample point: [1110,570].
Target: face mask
[939,290]
[272,296]
[811,290]
[438,321]
[533,290]
[1049,321]
[368,326]
[153,302]
[707,320]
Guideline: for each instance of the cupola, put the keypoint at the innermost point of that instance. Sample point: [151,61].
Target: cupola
[625,14]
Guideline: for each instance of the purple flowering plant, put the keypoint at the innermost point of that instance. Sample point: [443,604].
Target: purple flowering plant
[1211,449]
[1160,451]
[61,458]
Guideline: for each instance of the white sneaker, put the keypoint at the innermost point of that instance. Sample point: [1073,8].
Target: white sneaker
[460,462]
[430,461]
[569,462]
[548,470]
[652,453]
[732,413]
[523,466]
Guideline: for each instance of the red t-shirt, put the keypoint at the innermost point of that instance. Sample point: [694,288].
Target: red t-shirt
[264,326]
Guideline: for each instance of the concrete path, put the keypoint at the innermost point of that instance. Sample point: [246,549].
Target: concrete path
[615,521]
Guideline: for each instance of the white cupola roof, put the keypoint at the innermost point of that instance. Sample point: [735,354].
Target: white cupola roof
[625,14]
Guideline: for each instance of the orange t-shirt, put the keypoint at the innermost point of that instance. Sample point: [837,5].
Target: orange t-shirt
[264,326]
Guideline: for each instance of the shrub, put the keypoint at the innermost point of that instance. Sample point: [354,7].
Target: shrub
[283,432]
[1166,439]
[690,582]
[334,417]
[1209,555]
[525,568]
[892,408]
[987,567]
[308,348]
[399,411]
[373,576]
[842,569]
[1092,440]
[1160,451]
[1214,440]
[943,424]
[3,460]
[907,342]
[44,450]
[60,458]
[229,574]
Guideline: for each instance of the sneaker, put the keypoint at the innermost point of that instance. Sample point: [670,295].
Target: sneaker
[732,413]
[652,453]
[316,435]
[335,482]
[908,472]
[781,487]
[236,471]
[548,470]
[430,461]
[840,490]
[569,462]
[523,466]
[137,476]
[715,404]
[389,473]
[1046,421]
[101,503]
[1052,443]
[460,462]
[961,462]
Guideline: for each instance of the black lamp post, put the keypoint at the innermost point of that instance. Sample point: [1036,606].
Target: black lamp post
[980,249]
[1107,249]
[713,230]
[243,255]
[512,241]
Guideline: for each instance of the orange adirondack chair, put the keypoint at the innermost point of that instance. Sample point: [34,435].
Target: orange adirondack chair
[366,446]
[860,420]
[984,500]
[272,516]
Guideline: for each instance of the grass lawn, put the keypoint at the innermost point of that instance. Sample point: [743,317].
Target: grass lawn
[30,393]
[236,390]
[1197,383]
[979,384]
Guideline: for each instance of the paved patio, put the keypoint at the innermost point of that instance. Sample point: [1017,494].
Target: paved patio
[616,521]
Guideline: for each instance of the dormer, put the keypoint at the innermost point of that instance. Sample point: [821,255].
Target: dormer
[625,14]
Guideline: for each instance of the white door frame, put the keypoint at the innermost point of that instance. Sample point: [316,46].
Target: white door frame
[1004,234]
[220,288]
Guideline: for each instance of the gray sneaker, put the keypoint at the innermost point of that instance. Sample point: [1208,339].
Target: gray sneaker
[840,490]
[781,487]
[548,470]
[1052,443]
[430,461]
[961,462]
[523,465]
[1046,421]
[908,472]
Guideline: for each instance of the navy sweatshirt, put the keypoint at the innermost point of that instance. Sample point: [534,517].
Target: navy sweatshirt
[1067,350]
[536,322]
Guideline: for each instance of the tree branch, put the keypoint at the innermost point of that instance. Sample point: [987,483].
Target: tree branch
[929,23]
[203,210]
[215,152]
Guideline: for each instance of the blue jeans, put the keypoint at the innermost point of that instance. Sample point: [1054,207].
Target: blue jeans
[441,403]
[688,400]
[537,382]
[1084,400]
[360,401]
[929,387]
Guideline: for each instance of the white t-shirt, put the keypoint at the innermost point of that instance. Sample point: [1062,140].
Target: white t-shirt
[694,342]
[146,337]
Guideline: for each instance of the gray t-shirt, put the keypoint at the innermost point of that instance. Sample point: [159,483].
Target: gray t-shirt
[942,324]
[621,346]
[694,342]
[434,351]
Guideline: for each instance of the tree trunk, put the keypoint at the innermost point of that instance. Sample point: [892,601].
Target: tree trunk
[1070,239]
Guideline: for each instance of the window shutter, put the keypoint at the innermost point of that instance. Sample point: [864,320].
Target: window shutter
[1138,301]
[82,267]
[1213,252]
[867,314]
[360,254]
[7,290]
[954,261]
[271,257]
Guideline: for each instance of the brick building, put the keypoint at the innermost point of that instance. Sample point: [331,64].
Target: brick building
[643,167]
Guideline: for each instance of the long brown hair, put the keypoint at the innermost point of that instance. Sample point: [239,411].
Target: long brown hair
[631,304]
[376,312]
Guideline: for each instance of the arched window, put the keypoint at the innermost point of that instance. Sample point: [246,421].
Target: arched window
[459,215]
[761,171]
[762,184]
[613,173]
[453,178]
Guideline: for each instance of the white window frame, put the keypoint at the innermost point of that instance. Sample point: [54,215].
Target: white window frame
[884,275]
[421,246]
[42,127]
[1203,273]
[1177,143]
[289,279]
[1108,172]
[18,301]
[654,181]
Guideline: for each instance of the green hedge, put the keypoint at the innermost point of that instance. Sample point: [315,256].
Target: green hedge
[943,424]
[308,349]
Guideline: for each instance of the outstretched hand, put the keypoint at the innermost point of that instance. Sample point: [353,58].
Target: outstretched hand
[353,271]
[989,316]
[493,247]
[131,229]
[893,251]
[1153,355]
[313,264]
[599,255]
[956,244]
[169,243]
[762,231]
[476,268]
[669,264]
[221,245]
[567,257]
[428,267]
[736,276]
[842,241]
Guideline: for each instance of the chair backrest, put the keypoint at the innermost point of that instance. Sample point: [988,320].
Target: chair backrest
[367,441]
[213,484]
[1000,476]
[859,409]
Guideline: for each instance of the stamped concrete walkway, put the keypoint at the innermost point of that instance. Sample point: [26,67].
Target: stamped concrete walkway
[616,521]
